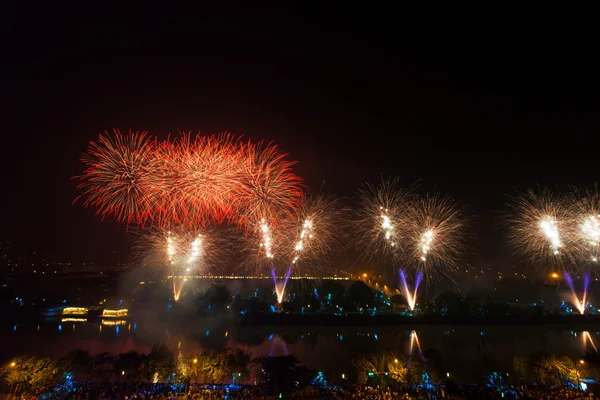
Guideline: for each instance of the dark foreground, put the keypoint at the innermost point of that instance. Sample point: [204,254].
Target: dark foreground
[150,391]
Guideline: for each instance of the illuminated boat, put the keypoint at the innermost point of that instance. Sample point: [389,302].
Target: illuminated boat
[115,313]
[74,311]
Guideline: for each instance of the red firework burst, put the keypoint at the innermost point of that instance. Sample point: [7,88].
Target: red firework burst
[113,181]
[191,181]
[271,191]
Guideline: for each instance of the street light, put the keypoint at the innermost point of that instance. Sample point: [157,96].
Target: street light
[195,360]
[395,360]
[581,362]
[12,364]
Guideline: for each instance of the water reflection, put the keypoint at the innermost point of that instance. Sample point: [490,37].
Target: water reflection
[463,350]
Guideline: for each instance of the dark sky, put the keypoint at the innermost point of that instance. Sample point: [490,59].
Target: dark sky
[475,102]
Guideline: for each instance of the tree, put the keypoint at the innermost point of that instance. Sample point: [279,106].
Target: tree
[332,292]
[238,363]
[398,300]
[216,298]
[361,294]
[133,364]
[161,362]
[434,363]
[362,367]
[277,374]
[78,362]
[31,374]
[214,365]
[520,368]
[449,303]
[552,370]
[103,367]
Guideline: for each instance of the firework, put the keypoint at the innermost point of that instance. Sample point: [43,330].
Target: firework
[411,298]
[114,180]
[540,229]
[183,253]
[302,241]
[436,235]
[270,191]
[585,225]
[317,231]
[383,220]
[189,181]
[305,237]
[579,304]
[280,286]
[267,242]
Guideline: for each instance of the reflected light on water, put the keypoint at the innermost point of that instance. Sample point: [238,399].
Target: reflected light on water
[585,338]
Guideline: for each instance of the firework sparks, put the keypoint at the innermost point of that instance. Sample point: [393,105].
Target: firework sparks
[305,236]
[170,248]
[426,239]
[549,228]
[539,228]
[437,232]
[388,227]
[190,181]
[301,241]
[267,242]
[591,229]
[382,220]
[586,224]
[183,254]
[117,167]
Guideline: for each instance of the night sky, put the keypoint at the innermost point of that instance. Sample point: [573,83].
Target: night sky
[475,103]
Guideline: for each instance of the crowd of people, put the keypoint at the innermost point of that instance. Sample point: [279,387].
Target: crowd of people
[196,392]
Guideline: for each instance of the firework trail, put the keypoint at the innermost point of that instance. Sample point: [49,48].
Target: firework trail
[579,304]
[280,286]
[436,236]
[585,338]
[411,298]
[414,342]
[540,229]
